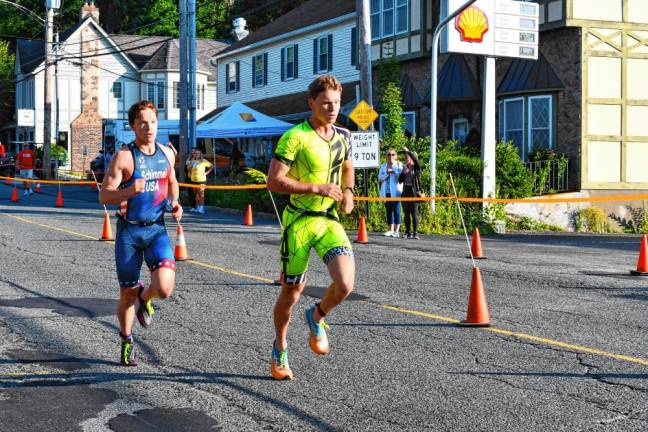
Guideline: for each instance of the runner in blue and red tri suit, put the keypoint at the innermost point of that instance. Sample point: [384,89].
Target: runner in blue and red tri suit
[142,181]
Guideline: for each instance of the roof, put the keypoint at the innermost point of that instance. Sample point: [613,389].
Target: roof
[411,97]
[456,81]
[525,76]
[146,52]
[239,120]
[306,15]
[295,103]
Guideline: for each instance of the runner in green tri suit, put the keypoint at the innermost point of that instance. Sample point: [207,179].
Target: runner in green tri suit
[312,164]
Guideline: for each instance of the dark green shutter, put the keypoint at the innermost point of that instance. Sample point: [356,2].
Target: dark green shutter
[265,68]
[330,52]
[354,46]
[296,57]
[253,71]
[238,75]
[227,90]
[315,68]
[283,64]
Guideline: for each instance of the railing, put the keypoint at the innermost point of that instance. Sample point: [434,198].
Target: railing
[551,176]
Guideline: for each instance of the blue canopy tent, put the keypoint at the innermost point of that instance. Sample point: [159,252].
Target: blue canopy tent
[241,121]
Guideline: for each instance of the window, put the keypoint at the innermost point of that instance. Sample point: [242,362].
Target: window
[389,17]
[513,127]
[200,96]
[460,128]
[232,81]
[117,90]
[289,64]
[150,91]
[322,54]
[259,70]
[176,94]
[161,95]
[540,123]
[527,122]
[409,123]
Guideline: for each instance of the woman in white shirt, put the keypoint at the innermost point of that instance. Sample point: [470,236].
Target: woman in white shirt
[391,188]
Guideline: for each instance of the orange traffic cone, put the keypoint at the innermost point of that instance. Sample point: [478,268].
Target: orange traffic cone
[642,262]
[476,247]
[181,247]
[59,199]
[106,235]
[14,195]
[38,189]
[362,232]
[8,181]
[477,307]
[248,216]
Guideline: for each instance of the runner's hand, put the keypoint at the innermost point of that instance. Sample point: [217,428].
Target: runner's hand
[177,212]
[138,186]
[347,203]
[330,190]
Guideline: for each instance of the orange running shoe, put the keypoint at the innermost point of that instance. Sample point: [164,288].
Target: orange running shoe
[317,340]
[279,367]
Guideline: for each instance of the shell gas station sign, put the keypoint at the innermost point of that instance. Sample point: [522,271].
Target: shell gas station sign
[499,28]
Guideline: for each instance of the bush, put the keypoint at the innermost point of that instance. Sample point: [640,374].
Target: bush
[594,219]
[513,179]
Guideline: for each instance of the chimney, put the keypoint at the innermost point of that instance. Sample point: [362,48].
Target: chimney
[90,9]
[239,32]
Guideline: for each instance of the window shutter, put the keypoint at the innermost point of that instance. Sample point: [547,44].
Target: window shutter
[265,68]
[296,57]
[315,68]
[354,46]
[330,52]
[238,75]
[227,90]
[283,64]
[253,71]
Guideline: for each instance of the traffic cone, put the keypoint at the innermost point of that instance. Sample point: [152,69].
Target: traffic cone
[38,189]
[106,235]
[248,216]
[59,199]
[362,232]
[14,195]
[642,262]
[8,181]
[476,247]
[181,247]
[477,307]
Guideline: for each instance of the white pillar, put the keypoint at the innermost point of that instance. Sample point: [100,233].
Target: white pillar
[488,137]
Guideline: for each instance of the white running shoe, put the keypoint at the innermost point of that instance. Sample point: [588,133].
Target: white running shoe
[389,234]
[200,210]
[396,234]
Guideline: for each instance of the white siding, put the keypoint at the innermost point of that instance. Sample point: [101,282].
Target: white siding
[342,67]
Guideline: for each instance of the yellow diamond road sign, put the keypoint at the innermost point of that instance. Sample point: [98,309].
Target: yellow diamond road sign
[363,115]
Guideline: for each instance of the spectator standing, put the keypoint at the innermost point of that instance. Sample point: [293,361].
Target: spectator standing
[25,164]
[411,179]
[199,168]
[390,187]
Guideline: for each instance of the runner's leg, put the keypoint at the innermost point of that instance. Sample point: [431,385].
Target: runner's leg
[288,297]
[342,271]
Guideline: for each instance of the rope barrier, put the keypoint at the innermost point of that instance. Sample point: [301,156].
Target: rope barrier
[611,198]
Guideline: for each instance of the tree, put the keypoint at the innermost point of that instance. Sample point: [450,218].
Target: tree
[391,103]
[6,82]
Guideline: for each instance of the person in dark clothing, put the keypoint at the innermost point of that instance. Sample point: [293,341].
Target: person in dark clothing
[411,179]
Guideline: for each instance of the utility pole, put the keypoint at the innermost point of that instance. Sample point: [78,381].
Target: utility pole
[191,52]
[48,84]
[182,90]
[364,61]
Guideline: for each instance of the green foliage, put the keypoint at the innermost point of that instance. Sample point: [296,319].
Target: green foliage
[391,102]
[547,161]
[593,219]
[513,179]
[6,80]
[526,223]
[638,223]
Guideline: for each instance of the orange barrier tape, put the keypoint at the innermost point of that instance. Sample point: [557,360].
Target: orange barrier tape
[68,182]
[223,187]
[612,198]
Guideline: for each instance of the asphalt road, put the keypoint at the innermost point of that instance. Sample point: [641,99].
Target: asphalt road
[568,350]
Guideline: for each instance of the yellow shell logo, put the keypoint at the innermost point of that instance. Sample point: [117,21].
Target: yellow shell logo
[472,24]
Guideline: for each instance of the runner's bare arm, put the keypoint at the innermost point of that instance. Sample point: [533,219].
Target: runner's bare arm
[348,184]
[174,188]
[278,181]
[120,166]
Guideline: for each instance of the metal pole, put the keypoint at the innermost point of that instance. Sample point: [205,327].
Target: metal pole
[57,121]
[434,95]
[191,52]
[47,106]
[182,90]
[488,140]
[364,61]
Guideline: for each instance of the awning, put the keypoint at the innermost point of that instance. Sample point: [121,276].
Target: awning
[240,121]
[528,76]
[456,82]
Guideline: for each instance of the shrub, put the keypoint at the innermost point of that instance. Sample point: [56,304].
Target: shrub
[513,179]
[595,220]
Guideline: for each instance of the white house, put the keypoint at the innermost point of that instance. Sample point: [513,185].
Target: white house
[103,75]
[271,68]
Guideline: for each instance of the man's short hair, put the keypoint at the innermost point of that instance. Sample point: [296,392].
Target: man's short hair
[323,83]
[137,108]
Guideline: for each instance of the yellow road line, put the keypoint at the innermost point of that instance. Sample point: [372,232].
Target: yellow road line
[23,374]
[518,335]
